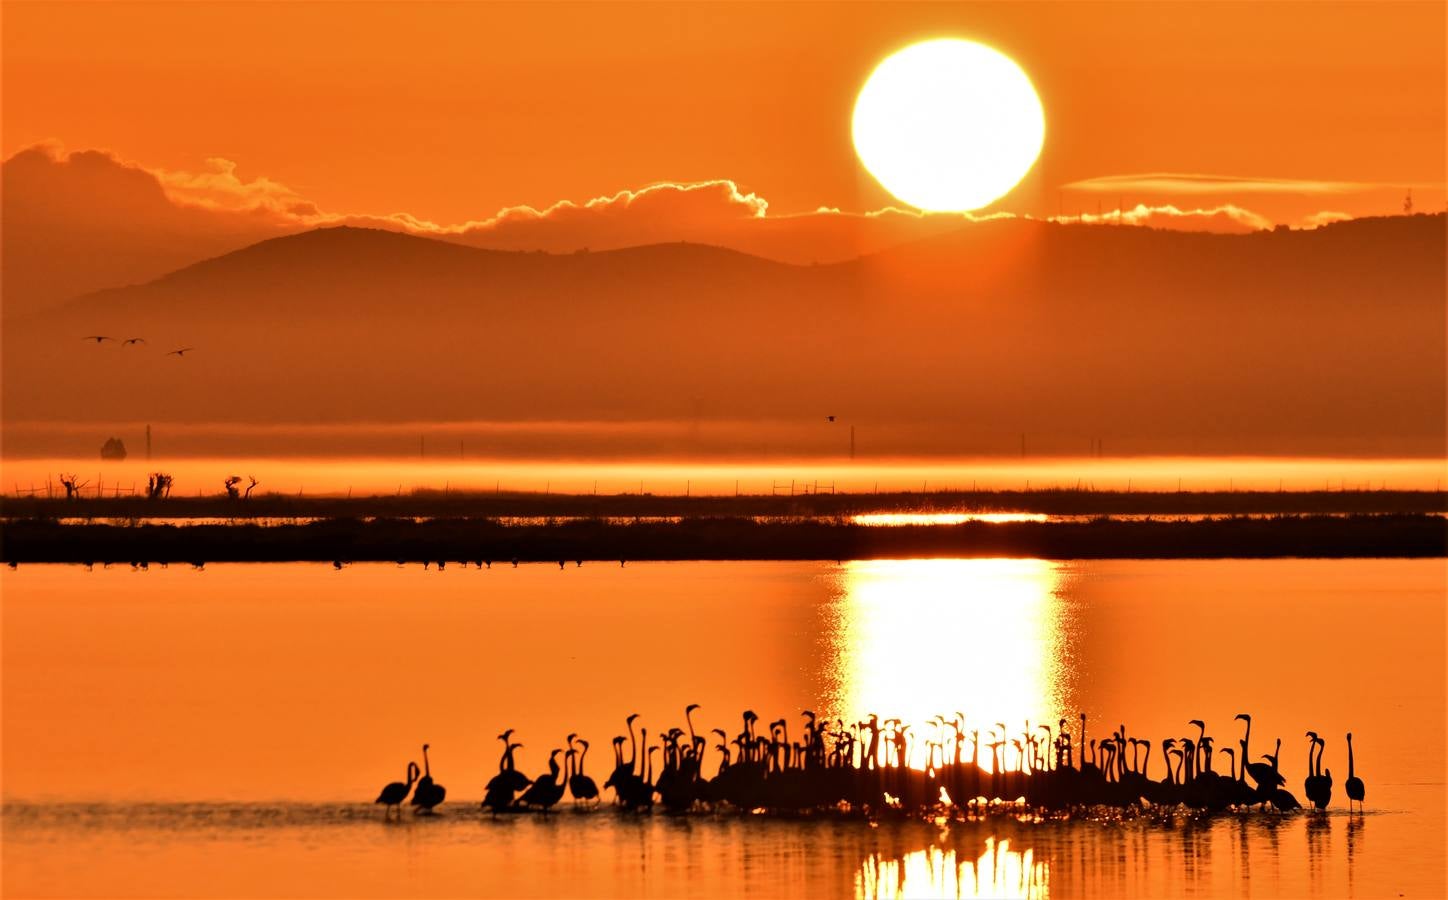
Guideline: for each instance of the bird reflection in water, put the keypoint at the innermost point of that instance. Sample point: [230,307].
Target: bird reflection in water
[998,871]
[1319,846]
[913,638]
[1354,844]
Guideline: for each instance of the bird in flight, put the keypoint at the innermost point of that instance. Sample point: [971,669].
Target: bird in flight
[128,341]
[182,352]
[97,338]
[829,418]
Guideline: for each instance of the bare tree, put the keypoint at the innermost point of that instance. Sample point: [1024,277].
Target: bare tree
[72,485]
[232,492]
[158,485]
[250,487]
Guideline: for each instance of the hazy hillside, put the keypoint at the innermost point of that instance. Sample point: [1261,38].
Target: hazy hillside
[1317,341]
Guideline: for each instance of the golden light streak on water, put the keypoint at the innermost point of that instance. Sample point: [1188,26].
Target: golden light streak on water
[998,872]
[920,638]
[888,519]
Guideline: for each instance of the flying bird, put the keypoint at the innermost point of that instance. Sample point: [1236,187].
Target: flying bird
[182,352]
[128,341]
[97,338]
[829,418]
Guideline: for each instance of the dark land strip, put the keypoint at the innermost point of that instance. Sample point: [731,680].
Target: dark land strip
[476,540]
[450,504]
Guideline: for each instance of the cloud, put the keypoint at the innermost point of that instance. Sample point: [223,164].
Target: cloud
[1194,183]
[86,220]
[219,187]
[1319,219]
[1226,218]
[657,213]
[82,221]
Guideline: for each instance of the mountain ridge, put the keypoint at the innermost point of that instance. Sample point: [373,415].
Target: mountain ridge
[1007,327]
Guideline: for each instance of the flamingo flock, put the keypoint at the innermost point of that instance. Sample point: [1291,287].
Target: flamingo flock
[866,767]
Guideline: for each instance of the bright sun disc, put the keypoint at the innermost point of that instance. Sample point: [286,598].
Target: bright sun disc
[948,125]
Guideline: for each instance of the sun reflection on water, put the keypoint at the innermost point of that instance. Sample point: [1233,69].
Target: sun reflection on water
[887,519]
[935,872]
[915,639]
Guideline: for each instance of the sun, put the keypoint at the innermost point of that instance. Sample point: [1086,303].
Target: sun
[948,125]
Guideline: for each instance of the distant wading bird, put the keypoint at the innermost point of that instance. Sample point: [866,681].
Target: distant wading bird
[1317,786]
[546,790]
[429,793]
[580,785]
[1354,786]
[393,794]
[503,787]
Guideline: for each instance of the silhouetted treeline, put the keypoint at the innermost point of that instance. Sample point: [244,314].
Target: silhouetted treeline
[823,505]
[485,542]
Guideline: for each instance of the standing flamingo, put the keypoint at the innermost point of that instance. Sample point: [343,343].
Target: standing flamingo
[502,787]
[1354,785]
[580,785]
[393,794]
[546,790]
[1317,786]
[429,793]
[623,771]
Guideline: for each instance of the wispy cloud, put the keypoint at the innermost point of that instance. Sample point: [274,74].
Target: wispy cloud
[1196,183]
[716,211]
[219,187]
[1326,217]
[1226,217]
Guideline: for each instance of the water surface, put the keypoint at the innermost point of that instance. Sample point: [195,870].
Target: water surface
[220,732]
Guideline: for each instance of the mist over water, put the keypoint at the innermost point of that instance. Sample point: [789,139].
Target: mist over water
[362,476]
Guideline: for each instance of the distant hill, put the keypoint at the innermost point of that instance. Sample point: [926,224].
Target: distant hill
[1330,340]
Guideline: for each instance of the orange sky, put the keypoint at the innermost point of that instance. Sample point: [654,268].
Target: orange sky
[451,112]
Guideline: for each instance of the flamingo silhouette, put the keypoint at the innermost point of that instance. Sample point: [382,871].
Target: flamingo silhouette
[501,788]
[393,794]
[580,785]
[623,771]
[1354,786]
[1317,786]
[429,793]
[1272,791]
[868,765]
[546,790]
